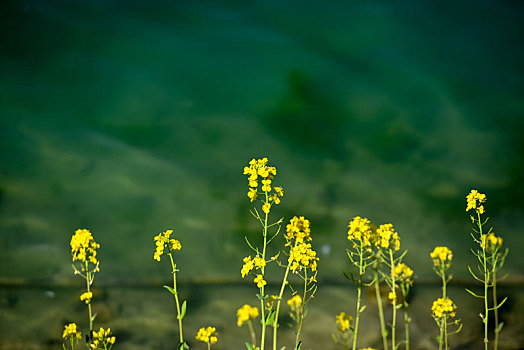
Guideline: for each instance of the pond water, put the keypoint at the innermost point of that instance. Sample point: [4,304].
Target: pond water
[130,118]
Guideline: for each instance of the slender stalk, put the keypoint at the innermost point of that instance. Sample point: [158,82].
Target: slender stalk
[384,331]
[486,283]
[359,296]
[446,331]
[252,333]
[176,298]
[275,324]
[406,325]
[262,294]
[393,287]
[89,280]
[302,310]
[495,308]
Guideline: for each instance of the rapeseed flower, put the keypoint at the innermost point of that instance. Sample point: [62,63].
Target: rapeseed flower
[294,302]
[207,335]
[164,241]
[301,255]
[259,280]
[441,255]
[490,242]
[83,246]
[402,272]
[443,307]
[298,230]
[87,296]
[248,266]
[360,230]
[102,338]
[387,237]
[343,321]
[246,313]
[474,201]
[71,330]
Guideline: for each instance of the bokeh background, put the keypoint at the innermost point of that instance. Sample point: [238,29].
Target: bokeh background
[129,118]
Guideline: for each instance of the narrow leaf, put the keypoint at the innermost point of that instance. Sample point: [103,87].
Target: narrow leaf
[249,346]
[182,311]
[170,290]
[475,295]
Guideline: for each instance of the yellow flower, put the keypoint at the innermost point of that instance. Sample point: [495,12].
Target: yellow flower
[279,191]
[298,229]
[259,262]
[392,296]
[402,272]
[387,237]
[83,247]
[443,308]
[71,330]
[87,296]
[265,207]
[248,266]
[102,338]
[163,241]
[207,335]
[252,194]
[266,185]
[490,242]
[270,300]
[294,302]
[259,280]
[474,200]
[246,313]
[441,255]
[360,230]
[301,255]
[343,321]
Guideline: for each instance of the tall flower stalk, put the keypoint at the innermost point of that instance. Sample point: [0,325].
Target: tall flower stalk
[443,308]
[491,257]
[361,256]
[404,276]
[260,178]
[167,245]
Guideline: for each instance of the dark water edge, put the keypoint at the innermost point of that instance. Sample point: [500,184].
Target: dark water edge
[144,318]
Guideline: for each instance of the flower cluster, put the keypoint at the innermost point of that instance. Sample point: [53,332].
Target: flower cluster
[360,230]
[259,171]
[83,247]
[387,237]
[207,335]
[343,321]
[442,257]
[301,255]
[294,302]
[102,338]
[163,241]
[475,200]
[87,296]
[246,313]
[443,307]
[299,230]
[490,242]
[250,265]
[402,272]
[71,330]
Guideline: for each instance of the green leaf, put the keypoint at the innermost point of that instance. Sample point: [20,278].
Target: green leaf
[499,328]
[271,317]
[299,346]
[170,289]
[363,308]
[182,346]
[249,346]
[182,311]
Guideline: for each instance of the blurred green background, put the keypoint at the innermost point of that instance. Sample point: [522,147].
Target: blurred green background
[129,118]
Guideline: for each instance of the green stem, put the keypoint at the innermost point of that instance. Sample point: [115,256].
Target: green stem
[384,331]
[393,288]
[406,323]
[252,333]
[359,295]
[302,310]
[486,283]
[176,298]
[446,331]
[275,324]
[262,294]
[89,280]
[496,309]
